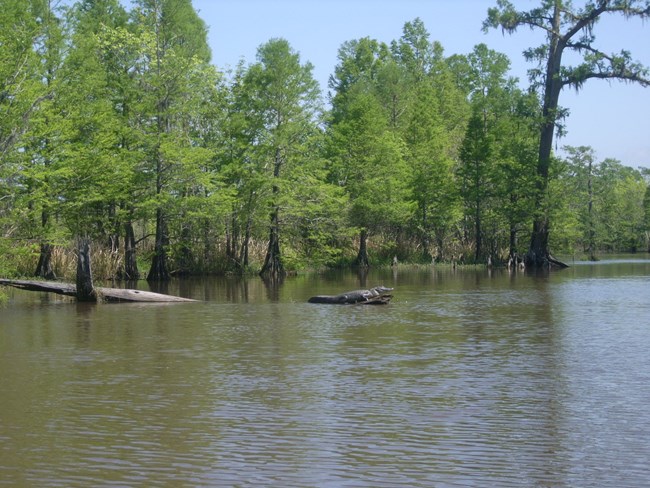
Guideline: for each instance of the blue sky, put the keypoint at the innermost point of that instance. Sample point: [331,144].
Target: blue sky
[611,117]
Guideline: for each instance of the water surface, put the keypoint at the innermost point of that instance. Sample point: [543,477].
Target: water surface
[468,378]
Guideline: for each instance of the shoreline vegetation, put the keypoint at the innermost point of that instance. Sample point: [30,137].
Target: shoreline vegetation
[107,265]
[123,135]
[113,289]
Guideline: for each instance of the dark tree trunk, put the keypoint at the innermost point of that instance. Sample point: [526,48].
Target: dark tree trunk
[538,254]
[273,268]
[244,253]
[130,262]
[237,247]
[159,271]
[477,229]
[85,289]
[207,254]
[231,239]
[590,219]
[362,257]
[113,233]
[513,229]
[425,241]
[513,240]
[244,259]
[185,258]
[44,266]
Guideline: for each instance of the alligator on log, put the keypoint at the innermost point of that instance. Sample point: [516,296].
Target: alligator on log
[104,294]
[374,296]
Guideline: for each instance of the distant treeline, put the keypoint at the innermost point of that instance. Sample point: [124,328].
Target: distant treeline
[115,126]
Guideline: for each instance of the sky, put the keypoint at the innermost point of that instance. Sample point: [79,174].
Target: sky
[611,117]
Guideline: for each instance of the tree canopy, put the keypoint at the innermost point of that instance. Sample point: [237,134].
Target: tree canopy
[116,129]
[568,28]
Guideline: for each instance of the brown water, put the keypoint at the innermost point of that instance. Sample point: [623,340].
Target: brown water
[467,378]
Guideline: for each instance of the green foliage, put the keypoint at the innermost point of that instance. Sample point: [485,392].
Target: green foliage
[498,153]
[366,159]
[14,258]
[24,39]
[568,30]
[602,205]
[431,160]
[575,26]
[282,104]
[646,211]
[115,126]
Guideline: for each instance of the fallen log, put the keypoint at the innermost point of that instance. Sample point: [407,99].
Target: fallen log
[128,295]
[104,294]
[373,296]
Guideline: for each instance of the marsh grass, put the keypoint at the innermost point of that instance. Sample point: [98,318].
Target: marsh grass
[105,263]
[22,261]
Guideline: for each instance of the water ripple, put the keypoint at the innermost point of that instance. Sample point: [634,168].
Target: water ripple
[515,384]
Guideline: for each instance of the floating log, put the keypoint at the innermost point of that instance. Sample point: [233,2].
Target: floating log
[104,294]
[374,296]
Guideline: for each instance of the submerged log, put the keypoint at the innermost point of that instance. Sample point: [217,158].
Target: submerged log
[104,294]
[556,263]
[374,296]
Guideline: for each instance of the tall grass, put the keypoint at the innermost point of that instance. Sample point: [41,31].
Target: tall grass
[105,264]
